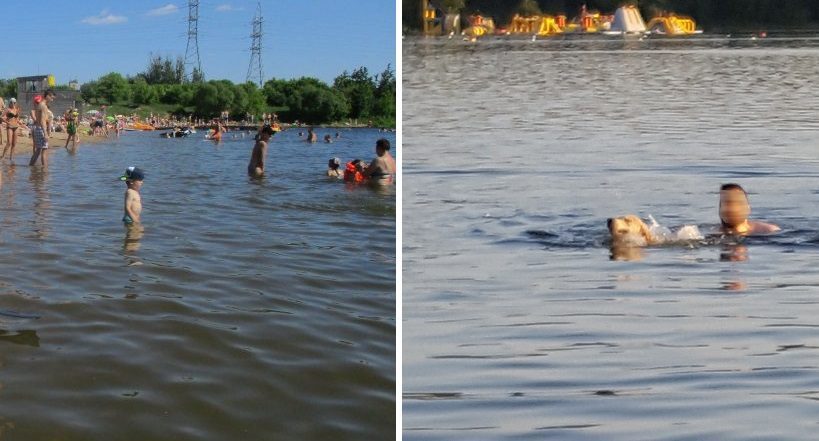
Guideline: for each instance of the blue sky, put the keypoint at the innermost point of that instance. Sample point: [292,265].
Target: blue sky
[86,39]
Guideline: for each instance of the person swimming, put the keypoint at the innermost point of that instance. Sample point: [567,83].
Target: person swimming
[734,210]
[333,169]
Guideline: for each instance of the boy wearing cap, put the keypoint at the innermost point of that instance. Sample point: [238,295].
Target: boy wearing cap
[333,170]
[133,202]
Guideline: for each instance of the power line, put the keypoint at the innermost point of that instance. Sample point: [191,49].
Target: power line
[192,50]
[256,46]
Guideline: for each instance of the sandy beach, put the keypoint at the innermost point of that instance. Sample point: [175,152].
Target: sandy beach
[55,141]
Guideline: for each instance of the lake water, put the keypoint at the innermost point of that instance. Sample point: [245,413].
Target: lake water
[247,309]
[518,321]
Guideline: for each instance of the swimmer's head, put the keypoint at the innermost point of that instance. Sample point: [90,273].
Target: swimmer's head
[266,130]
[334,163]
[734,207]
[382,144]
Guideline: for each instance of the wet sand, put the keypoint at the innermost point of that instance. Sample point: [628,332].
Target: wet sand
[25,144]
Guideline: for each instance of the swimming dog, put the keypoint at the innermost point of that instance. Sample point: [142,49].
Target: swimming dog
[630,230]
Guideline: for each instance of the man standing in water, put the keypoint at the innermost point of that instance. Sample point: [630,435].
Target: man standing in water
[39,133]
[255,167]
[381,169]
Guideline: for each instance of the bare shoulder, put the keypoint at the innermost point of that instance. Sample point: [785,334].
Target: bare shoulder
[758,227]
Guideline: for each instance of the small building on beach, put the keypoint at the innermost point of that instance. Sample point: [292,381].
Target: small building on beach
[29,87]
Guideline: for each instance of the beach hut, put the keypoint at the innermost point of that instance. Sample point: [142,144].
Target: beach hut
[627,20]
[29,87]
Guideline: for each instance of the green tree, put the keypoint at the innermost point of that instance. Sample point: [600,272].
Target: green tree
[385,94]
[197,76]
[164,70]
[143,93]
[314,102]
[211,98]
[206,100]
[275,92]
[180,94]
[248,98]
[90,92]
[359,90]
[113,88]
[8,88]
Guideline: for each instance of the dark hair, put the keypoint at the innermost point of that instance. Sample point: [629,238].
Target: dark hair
[266,129]
[383,143]
[48,92]
[732,186]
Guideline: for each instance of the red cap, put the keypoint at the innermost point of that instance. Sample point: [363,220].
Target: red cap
[37,99]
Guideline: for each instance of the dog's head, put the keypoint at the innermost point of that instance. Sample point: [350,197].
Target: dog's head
[629,229]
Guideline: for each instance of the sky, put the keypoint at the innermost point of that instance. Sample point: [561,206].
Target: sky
[86,39]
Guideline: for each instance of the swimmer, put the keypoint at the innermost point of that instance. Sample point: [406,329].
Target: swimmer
[133,178]
[353,171]
[311,135]
[328,139]
[382,168]
[734,210]
[333,170]
[255,167]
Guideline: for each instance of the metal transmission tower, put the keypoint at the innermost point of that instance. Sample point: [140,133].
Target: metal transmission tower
[192,50]
[255,65]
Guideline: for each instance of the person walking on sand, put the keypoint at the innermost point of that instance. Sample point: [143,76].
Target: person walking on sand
[39,132]
[12,114]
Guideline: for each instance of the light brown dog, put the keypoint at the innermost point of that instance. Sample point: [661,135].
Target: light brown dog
[630,230]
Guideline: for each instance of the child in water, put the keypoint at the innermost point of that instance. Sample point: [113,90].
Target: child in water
[133,202]
[734,210]
[255,167]
[333,170]
[354,171]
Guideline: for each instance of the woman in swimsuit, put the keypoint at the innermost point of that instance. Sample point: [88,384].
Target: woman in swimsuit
[12,115]
[2,116]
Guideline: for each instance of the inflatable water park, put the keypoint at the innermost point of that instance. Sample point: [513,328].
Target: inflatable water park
[625,21]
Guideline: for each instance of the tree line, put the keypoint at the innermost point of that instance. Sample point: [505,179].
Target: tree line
[357,95]
[713,15]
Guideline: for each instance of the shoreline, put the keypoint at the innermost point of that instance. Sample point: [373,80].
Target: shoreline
[25,144]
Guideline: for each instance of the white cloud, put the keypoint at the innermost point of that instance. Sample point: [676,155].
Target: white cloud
[105,18]
[170,8]
[225,7]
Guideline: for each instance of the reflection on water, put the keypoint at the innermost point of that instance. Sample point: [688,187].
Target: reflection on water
[520,322]
[235,298]
[133,234]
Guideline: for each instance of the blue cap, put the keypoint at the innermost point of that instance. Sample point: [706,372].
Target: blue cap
[133,174]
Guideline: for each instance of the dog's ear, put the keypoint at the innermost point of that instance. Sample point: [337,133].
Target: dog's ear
[646,232]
